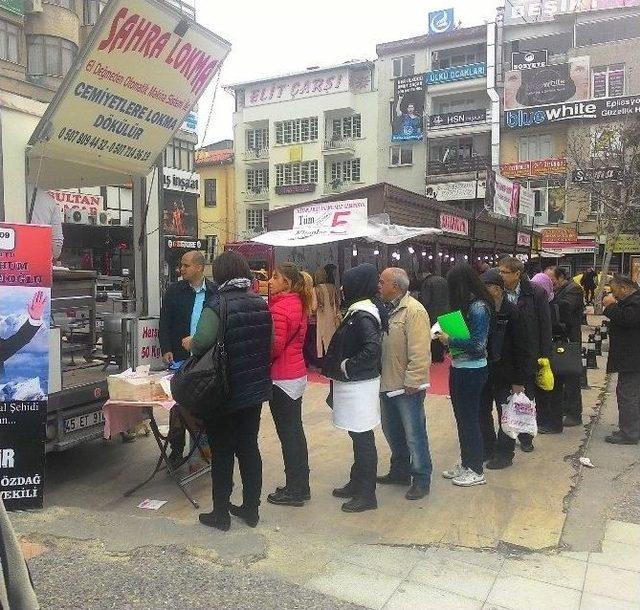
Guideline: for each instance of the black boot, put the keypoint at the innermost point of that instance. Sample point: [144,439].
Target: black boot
[360,504]
[348,491]
[304,495]
[394,479]
[248,515]
[219,520]
[417,491]
[285,497]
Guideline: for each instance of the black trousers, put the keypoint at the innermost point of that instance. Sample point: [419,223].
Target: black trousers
[233,436]
[287,416]
[365,464]
[493,392]
[570,394]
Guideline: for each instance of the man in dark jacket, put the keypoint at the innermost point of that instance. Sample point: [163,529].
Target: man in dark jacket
[533,304]
[588,282]
[568,304]
[434,296]
[623,309]
[179,315]
[508,361]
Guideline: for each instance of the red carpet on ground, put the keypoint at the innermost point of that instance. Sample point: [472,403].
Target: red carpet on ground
[439,378]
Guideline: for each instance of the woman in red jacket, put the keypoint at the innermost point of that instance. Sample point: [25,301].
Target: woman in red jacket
[290,304]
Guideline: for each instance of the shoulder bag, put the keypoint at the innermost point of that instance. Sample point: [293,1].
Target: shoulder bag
[201,384]
[566,359]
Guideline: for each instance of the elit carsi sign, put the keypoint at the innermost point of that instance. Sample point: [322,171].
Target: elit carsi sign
[610,108]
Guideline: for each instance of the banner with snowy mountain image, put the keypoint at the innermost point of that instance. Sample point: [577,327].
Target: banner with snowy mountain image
[25,302]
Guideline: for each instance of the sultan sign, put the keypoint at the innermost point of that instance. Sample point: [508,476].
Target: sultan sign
[454,224]
[132,87]
[597,109]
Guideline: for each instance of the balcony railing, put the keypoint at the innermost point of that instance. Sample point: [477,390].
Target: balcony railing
[257,193]
[339,145]
[457,166]
[256,154]
[339,186]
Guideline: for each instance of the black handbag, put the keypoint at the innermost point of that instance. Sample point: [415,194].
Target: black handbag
[201,384]
[566,359]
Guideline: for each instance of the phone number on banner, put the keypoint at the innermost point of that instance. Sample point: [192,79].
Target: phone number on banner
[87,140]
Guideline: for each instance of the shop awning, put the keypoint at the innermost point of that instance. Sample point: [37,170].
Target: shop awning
[376,229]
[584,246]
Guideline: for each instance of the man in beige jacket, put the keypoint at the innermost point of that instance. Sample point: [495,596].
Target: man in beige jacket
[406,358]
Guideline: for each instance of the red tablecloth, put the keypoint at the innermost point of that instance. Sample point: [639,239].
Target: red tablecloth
[120,416]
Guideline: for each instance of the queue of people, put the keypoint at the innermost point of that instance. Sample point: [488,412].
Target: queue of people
[374,343]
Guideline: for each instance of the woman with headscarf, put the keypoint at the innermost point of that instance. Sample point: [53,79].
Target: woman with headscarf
[543,280]
[353,365]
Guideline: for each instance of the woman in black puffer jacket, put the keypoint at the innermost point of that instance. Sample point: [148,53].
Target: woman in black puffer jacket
[353,365]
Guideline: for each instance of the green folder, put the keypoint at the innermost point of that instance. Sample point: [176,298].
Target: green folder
[454,325]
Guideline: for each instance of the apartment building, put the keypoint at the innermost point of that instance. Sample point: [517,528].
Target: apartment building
[300,136]
[553,61]
[454,76]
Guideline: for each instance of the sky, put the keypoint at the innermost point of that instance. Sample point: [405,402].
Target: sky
[272,37]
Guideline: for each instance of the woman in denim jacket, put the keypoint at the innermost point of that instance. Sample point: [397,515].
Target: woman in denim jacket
[469,371]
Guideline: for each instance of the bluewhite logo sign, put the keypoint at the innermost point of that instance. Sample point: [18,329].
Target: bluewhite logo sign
[441,21]
[450,75]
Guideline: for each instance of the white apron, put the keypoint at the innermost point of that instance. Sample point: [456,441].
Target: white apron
[356,405]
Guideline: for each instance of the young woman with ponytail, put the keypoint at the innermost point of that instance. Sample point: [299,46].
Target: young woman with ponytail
[290,304]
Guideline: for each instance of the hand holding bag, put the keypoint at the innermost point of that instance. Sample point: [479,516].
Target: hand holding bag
[519,416]
[201,385]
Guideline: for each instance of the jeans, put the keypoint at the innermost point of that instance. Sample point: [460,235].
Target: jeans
[493,392]
[287,416]
[465,388]
[404,424]
[235,435]
[365,465]
[628,395]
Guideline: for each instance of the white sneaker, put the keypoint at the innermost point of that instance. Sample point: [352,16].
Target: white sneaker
[456,471]
[469,478]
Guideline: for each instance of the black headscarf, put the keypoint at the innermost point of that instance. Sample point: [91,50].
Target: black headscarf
[360,283]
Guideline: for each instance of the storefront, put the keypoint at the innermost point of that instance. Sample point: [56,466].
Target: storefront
[463,237]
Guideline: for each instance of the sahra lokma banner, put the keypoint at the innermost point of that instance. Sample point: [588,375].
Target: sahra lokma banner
[25,297]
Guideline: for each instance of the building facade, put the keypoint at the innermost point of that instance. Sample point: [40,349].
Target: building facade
[559,107]
[300,136]
[451,78]
[216,203]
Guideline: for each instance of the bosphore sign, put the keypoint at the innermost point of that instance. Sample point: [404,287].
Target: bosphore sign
[131,88]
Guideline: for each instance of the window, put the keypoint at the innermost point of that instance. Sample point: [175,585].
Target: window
[608,81]
[532,148]
[607,30]
[49,55]
[179,155]
[255,220]
[451,151]
[184,6]
[210,193]
[404,66]
[92,10]
[9,42]
[401,155]
[70,4]
[257,139]
[303,172]
[212,242]
[297,130]
[346,127]
[257,179]
[458,105]
[458,57]
[606,144]
[344,171]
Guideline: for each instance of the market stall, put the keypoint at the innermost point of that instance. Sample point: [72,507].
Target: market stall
[402,228]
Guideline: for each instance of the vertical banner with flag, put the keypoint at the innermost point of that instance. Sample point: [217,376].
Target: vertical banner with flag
[408,109]
[25,297]
[527,201]
[503,196]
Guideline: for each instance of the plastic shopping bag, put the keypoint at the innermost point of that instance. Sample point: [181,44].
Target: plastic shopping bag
[544,379]
[519,416]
